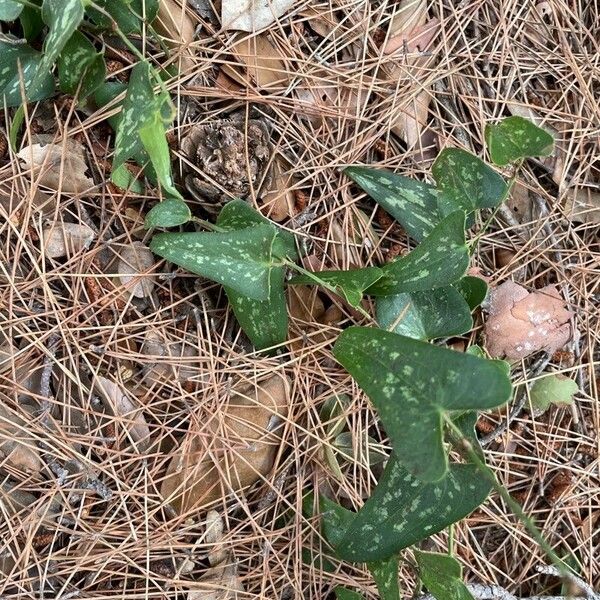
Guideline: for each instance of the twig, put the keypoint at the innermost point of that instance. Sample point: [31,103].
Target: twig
[571,578]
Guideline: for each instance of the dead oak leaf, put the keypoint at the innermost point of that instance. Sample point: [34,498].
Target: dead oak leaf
[522,322]
[252,15]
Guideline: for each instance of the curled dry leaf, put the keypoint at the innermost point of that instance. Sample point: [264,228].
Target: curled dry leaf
[135,262]
[221,579]
[17,448]
[59,166]
[521,322]
[252,15]
[174,23]
[235,448]
[125,412]
[262,62]
[172,359]
[279,199]
[66,239]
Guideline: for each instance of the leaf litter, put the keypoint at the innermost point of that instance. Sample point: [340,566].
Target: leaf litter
[321,60]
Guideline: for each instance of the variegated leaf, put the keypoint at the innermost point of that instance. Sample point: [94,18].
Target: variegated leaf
[242,260]
[412,203]
[514,138]
[412,397]
[439,260]
[466,182]
[442,576]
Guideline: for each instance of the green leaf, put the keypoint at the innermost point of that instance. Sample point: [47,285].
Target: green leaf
[139,108]
[123,178]
[425,315]
[13,54]
[385,574]
[466,182]
[168,213]
[514,138]
[10,10]
[402,511]
[442,576]
[31,21]
[265,322]
[342,593]
[129,15]
[242,260]
[63,18]
[412,203]
[154,140]
[80,63]
[343,442]
[238,214]
[350,284]
[15,127]
[473,289]
[439,260]
[552,389]
[414,385]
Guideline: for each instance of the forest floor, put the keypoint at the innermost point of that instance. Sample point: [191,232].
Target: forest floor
[332,92]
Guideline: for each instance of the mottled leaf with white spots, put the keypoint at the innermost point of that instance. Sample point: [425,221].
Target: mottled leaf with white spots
[168,213]
[242,260]
[412,203]
[413,385]
[442,576]
[439,260]
[10,10]
[385,574]
[265,322]
[63,18]
[514,138]
[402,511]
[466,182]
[18,61]
[425,315]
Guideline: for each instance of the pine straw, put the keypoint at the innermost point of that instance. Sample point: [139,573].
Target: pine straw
[488,53]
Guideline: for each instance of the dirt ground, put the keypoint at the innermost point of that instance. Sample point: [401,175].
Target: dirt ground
[87,519]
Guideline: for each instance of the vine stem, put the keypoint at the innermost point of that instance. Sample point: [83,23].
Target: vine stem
[466,448]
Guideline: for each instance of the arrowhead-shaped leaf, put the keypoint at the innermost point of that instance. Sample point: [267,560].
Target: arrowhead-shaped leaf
[514,138]
[402,511]
[265,322]
[466,182]
[413,385]
[439,260]
[412,203]
[168,213]
[442,576]
[242,260]
[425,315]
[350,284]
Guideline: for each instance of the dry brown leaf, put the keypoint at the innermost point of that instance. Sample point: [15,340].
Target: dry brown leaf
[59,166]
[419,38]
[521,322]
[171,364]
[252,15]
[582,205]
[221,578]
[66,239]
[243,436]
[125,412]
[264,67]
[16,447]
[279,199]
[520,204]
[174,23]
[135,261]
[409,14]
